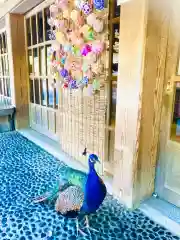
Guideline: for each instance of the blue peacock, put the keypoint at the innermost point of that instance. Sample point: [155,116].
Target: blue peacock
[76,199]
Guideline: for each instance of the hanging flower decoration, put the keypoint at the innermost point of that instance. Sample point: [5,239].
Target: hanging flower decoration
[86,8]
[77,45]
[99,4]
[64,73]
[86,49]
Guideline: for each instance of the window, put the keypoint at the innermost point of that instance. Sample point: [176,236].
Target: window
[175,127]
[114,26]
[5,91]
[42,91]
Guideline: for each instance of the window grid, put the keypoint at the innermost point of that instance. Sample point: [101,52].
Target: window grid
[42,91]
[5,91]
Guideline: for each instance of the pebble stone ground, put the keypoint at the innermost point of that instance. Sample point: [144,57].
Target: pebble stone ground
[27,171]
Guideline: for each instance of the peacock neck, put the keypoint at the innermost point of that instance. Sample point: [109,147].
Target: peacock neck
[92,169]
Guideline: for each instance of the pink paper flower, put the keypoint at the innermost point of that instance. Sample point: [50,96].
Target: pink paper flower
[86,49]
[97,47]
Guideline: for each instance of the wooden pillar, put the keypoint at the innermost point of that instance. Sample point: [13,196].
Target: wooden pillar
[143,43]
[18,67]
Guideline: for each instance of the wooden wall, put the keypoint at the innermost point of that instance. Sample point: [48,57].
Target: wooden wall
[140,96]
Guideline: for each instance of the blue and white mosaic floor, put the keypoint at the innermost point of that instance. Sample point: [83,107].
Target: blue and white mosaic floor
[27,171]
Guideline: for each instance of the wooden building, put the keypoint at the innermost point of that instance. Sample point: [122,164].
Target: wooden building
[133,124]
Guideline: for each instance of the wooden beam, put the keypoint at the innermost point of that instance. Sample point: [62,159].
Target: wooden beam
[18,67]
[140,93]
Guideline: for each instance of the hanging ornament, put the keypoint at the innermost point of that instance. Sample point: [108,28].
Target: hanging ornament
[80,20]
[99,4]
[64,73]
[85,67]
[60,37]
[59,24]
[65,85]
[90,89]
[85,80]
[90,19]
[74,15]
[62,4]
[56,46]
[96,85]
[86,49]
[67,48]
[98,26]
[63,60]
[86,8]
[53,9]
[76,51]
[91,58]
[97,47]
[66,14]
[73,84]
[50,21]
[78,3]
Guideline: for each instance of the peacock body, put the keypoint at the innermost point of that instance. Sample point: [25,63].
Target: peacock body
[77,200]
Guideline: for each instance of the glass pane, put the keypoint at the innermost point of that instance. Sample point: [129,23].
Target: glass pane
[115,57]
[36,90]
[1,71]
[3,66]
[1,87]
[113,101]
[36,62]
[4,42]
[4,82]
[8,87]
[40,27]
[28,32]
[47,26]
[31,91]
[30,61]
[1,44]
[42,62]
[175,127]
[117,8]
[56,92]
[7,65]
[50,94]
[48,62]
[44,92]
[34,30]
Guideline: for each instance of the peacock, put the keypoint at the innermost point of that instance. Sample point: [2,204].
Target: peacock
[79,195]
[76,202]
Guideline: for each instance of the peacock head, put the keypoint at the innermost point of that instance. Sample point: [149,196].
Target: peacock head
[93,159]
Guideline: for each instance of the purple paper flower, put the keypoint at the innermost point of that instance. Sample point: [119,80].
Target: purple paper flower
[64,73]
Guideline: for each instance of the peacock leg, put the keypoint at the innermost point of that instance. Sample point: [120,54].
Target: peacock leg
[88,226]
[78,229]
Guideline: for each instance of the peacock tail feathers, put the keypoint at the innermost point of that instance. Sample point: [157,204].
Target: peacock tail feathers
[76,177]
[70,200]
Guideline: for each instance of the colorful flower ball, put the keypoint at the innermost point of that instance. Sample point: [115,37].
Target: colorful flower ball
[86,49]
[99,4]
[85,80]
[86,8]
[63,60]
[64,73]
